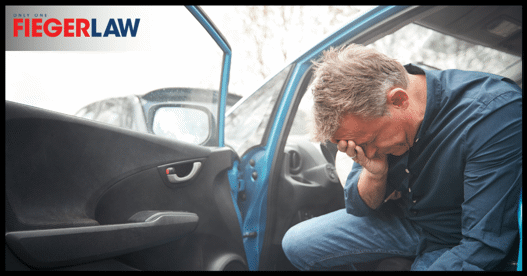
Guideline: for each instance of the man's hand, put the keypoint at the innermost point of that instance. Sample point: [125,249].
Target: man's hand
[372,182]
[394,196]
[375,166]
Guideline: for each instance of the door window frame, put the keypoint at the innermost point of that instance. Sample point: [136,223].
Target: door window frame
[215,33]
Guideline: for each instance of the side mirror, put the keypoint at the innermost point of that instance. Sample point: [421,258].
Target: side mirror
[187,123]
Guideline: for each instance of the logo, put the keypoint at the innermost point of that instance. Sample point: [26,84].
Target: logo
[74,27]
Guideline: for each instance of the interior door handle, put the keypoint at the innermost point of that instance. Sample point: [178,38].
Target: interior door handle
[174,178]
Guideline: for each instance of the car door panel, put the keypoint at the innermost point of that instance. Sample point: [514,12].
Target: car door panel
[77,190]
[60,247]
[308,185]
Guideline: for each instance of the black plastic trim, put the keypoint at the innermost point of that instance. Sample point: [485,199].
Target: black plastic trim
[69,246]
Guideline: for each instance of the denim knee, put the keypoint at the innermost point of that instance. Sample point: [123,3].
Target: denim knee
[293,244]
[337,240]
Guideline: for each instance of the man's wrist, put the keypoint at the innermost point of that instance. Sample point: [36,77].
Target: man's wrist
[378,177]
[372,188]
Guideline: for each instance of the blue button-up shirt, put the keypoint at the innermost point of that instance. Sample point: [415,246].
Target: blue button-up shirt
[461,180]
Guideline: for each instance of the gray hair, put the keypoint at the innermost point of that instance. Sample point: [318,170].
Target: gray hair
[354,80]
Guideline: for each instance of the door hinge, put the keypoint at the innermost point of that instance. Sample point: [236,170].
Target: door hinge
[250,235]
[241,190]
[242,196]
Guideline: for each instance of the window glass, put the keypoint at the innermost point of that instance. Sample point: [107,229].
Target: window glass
[246,122]
[106,83]
[434,50]
[431,50]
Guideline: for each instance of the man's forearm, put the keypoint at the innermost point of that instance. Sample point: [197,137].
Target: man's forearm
[372,188]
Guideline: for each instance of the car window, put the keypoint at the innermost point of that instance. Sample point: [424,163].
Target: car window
[125,112]
[104,83]
[246,122]
[426,48]
[431,50]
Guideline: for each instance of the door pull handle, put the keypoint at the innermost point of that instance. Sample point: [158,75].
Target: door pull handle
[174,178]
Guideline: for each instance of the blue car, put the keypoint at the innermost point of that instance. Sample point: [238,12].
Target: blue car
[220,193]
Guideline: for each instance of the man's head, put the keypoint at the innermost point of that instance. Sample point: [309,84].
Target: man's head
[353,80]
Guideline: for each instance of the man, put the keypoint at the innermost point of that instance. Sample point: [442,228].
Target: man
[443,146]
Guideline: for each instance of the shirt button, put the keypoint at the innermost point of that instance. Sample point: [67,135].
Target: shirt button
[416,140]
[406,170]
[409,190]
[415,201]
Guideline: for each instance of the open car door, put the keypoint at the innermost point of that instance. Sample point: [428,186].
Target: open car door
[81,195]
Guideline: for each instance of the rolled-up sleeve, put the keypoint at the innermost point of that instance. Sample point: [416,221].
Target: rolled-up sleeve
[354,203]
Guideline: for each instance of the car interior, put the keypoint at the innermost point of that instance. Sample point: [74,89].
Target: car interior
[307,169]
[97,197]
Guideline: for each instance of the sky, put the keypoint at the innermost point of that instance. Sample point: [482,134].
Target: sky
[65,81]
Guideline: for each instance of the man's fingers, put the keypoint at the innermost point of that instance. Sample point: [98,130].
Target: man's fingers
[342,145]
[359,154]
[350,151]
[348,147]
[394,196]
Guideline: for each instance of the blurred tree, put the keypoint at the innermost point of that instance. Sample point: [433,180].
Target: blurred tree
[269,36]
[264,38]
[281,32]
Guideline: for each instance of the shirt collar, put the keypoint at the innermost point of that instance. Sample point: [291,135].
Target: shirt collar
[432,88]
[414,70]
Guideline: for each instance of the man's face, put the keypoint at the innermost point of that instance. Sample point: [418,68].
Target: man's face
[377,137]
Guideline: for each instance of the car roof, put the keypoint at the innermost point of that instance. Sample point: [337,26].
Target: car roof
[497,27]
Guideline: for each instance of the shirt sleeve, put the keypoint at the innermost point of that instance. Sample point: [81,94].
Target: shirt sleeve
[354,203]
[492,187]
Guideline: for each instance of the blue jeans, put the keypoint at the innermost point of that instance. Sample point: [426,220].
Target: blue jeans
[337,240]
